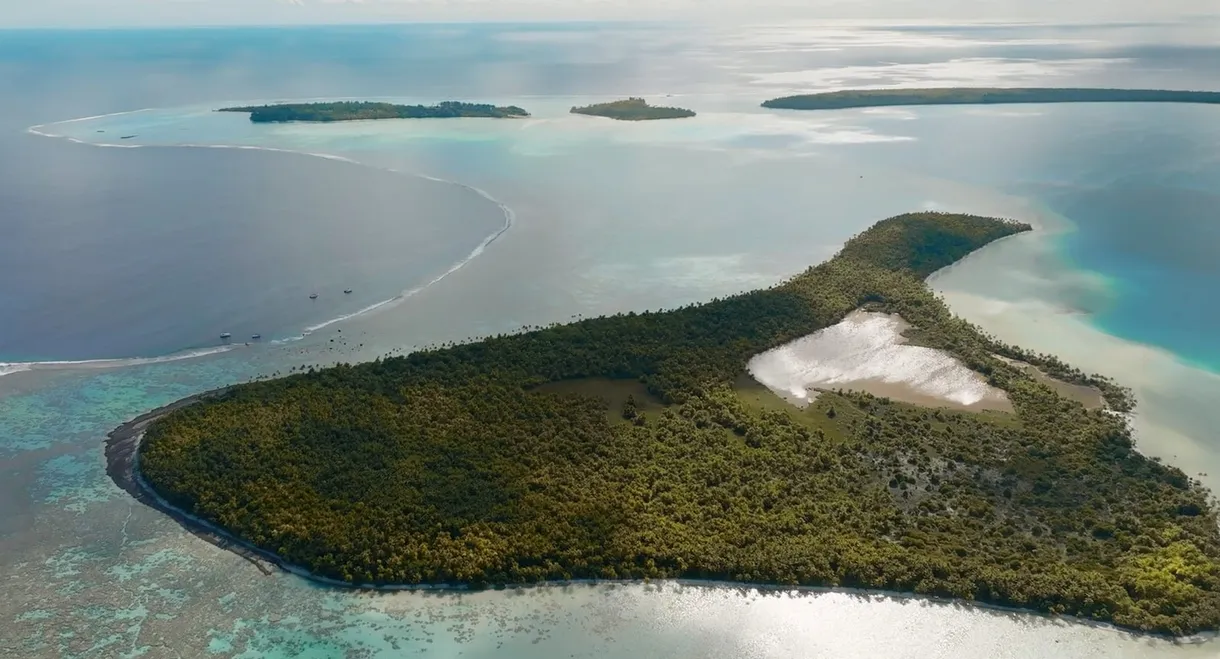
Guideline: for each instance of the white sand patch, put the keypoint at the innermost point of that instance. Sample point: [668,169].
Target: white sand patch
[867,352]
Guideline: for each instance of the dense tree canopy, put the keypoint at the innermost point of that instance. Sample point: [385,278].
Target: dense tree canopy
[865,98]
[362,110]
[632,446]
[633,109]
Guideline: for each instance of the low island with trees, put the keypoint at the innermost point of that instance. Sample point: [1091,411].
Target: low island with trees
[633,109]
[635,446]
[366,110]
[868,98]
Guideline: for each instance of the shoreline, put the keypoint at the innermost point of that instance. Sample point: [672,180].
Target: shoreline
[126,445]
[122,466]
[122,455]
[849,99]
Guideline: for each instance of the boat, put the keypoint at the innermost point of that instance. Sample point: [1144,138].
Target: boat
[225,335]
[313,296]
[256,336]
[347,291]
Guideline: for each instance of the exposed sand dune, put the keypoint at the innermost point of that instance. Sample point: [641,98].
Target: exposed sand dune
[867,352]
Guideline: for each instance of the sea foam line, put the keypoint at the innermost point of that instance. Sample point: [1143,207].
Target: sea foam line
[39,129]
[8,368]
[510,218]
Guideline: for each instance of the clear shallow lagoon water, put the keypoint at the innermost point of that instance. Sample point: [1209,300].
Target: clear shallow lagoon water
[609,217]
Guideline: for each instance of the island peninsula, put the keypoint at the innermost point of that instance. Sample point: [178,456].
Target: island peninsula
[868,98]
[364,110]
[633,109]
[635,446]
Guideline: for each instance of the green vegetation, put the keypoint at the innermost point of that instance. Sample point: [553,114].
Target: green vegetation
[867,98]
[633,446]
[633,109]
[362,110]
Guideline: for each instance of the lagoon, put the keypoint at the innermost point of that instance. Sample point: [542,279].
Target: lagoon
[611,217]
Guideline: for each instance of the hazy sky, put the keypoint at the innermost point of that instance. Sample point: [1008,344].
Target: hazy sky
[97,13]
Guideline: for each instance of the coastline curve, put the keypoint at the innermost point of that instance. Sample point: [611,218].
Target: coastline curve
[122,466]
[869,245]
[509,215]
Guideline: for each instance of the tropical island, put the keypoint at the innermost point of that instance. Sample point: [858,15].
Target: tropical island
[365,110]
[867,98]
[632,109]
[636,446]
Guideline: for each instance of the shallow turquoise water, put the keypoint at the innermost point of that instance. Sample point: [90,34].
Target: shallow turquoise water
[610,217]
[579,247]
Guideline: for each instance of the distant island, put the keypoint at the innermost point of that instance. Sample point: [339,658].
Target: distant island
[867,98]
[637,446]
[364,110]
[632,109]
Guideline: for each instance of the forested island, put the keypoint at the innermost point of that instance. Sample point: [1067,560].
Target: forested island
[364,110]
[634,446]
[632,109]
[867,98]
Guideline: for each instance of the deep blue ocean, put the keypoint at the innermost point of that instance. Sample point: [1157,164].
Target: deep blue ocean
[117,257]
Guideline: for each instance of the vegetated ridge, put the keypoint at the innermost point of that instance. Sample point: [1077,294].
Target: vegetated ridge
[633,109]
[364,110]
[865,98]
[632,446]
